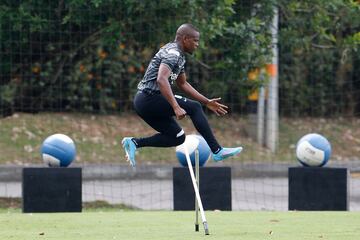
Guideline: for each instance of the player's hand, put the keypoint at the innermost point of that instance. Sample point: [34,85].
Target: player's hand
[180,113]
[218,108]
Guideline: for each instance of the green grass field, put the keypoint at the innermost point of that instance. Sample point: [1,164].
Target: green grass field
[141,225]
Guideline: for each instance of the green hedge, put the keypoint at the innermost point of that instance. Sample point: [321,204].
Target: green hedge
[88,55]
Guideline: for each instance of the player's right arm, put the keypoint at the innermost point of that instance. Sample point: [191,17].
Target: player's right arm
[166,91]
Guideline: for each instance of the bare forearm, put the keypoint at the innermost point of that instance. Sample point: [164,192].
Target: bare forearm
[193,93]
[166,91]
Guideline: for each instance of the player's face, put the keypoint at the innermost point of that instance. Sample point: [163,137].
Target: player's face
[191,42]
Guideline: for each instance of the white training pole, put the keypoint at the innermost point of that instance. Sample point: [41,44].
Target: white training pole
[197,194]
[198,185]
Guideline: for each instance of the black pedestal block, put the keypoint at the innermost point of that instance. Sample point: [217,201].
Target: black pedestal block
[318,188]
[215,188]
[52,190]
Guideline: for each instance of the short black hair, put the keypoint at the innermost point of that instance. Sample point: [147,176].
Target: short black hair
[185,28]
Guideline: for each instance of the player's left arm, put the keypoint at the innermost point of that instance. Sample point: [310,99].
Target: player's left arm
[212,104]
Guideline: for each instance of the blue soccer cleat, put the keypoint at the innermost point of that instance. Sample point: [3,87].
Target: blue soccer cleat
[130,149]
[225,153]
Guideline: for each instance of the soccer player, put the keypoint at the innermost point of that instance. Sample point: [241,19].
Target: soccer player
[156,104]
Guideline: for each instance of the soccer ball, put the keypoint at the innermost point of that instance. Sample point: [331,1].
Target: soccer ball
[313,150]
[193,142]
[58,150]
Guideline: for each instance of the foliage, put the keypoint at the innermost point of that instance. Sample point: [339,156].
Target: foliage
[319,53]
[7,95]
[88,55]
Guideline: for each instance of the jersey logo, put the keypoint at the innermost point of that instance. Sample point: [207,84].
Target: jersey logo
[173,76]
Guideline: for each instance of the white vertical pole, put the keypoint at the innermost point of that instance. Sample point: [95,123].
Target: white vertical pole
[197,194]
[272,123]
[197,175]
[261,116]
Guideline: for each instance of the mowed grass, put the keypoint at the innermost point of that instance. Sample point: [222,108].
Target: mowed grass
[141,225]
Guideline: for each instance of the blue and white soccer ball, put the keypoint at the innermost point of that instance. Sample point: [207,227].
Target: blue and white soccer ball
[193,142]
[313,150]
[58,150]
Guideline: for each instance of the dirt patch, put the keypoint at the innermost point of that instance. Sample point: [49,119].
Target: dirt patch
[98,137]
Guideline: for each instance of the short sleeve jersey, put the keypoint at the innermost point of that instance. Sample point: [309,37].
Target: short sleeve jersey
[170,55]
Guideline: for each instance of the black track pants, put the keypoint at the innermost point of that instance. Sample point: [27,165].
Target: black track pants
[156,111]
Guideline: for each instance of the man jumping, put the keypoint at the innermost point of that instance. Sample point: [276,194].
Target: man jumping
[157,105]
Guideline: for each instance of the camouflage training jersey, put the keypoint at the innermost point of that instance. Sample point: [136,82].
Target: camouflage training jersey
[170,55]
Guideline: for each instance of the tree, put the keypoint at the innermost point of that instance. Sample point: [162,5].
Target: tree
[89,55]
[318,54]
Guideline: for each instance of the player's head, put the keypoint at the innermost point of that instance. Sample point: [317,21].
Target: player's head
[188,37]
